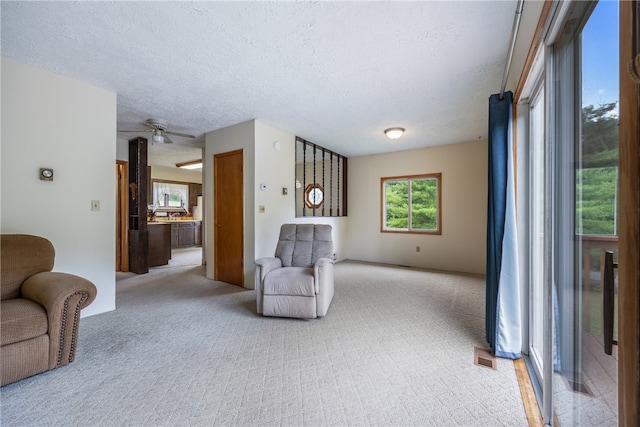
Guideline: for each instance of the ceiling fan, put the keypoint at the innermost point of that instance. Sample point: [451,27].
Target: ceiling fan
[159,130]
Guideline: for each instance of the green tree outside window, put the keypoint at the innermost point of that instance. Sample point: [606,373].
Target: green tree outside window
[411,204]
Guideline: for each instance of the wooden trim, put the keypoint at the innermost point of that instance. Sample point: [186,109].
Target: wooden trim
[533,49]
[122,199]
[531,408]
[629,206]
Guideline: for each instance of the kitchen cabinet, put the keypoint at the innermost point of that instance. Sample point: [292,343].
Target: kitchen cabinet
[159,243]
[186,234]
[198,232]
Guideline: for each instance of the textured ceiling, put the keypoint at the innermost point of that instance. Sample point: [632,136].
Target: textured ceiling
[334,73]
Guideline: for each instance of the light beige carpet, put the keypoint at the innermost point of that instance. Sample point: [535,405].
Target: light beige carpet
[396,349]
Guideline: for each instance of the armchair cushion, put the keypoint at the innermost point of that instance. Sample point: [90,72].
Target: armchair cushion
[290,281]
[22,319]
[302,245]
[23,256]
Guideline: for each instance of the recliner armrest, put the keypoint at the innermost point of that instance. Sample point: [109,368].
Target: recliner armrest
[62,295]
[263,267]
[268,264]
[323,261]
[323,274]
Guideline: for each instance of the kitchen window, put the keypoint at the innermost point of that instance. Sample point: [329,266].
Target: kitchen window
[170,195]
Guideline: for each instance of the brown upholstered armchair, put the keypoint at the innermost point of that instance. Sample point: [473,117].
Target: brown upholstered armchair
[40,308]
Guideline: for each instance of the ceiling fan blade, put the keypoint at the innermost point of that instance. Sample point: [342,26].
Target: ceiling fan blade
[152,126]
[179,134]
[141,130]
[167,140]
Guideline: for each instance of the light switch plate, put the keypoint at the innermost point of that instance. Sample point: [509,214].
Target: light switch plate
[95,205]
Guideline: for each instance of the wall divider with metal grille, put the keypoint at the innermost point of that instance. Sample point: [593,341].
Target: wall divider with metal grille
[321,181]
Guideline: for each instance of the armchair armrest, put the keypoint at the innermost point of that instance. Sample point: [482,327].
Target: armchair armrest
[263,267]
[323,274]
[323,261]
[63,296]
[268,263]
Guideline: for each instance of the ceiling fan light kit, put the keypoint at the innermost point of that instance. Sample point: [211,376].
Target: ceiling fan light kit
[158,139]
[159,129]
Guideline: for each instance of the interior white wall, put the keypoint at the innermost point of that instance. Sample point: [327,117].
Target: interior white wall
[122,149]
[236,137]
[277,169]
[462,245]
[53,121]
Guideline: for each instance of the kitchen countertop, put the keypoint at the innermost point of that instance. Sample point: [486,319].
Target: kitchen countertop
[168,221]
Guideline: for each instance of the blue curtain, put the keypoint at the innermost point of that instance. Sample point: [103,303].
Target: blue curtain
[503,311]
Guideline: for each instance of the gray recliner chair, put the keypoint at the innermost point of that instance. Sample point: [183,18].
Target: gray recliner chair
[298,281]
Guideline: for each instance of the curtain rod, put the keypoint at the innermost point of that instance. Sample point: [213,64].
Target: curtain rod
[512,45]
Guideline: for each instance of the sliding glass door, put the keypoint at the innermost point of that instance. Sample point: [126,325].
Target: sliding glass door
[585,382]
[569,105]
[537,219]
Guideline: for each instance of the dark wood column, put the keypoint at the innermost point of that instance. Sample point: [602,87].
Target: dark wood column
[138,181]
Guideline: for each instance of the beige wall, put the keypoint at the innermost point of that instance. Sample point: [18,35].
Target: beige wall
[176,174]
[461,247]
[57,122]
[263,165]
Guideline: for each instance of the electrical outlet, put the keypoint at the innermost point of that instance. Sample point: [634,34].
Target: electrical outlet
[417,248]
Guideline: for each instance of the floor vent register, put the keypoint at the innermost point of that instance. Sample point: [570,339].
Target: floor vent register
[483,357]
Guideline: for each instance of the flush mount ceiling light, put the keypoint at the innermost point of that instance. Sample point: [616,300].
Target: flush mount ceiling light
[158,138]
[394,133]
[193,164]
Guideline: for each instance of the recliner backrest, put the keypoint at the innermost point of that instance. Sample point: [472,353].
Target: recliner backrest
[302,245]
[22,256]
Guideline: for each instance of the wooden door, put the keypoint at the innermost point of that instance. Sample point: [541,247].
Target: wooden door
[122,182]
[228,217]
